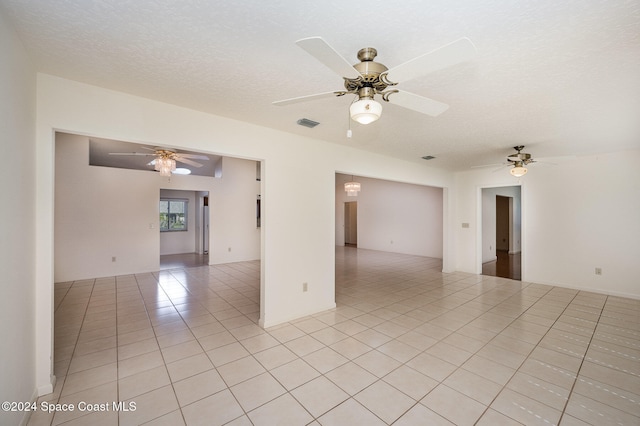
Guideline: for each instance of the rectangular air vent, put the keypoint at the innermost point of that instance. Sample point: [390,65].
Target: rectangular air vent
[428,157]
[307,123]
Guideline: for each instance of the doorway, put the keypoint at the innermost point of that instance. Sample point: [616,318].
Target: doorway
[501,232]
[351,223]
[504,221]
[189,246]
[205,223]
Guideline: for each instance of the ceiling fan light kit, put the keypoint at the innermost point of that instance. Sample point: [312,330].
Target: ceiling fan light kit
[518,170]
[165,166]
[365,111]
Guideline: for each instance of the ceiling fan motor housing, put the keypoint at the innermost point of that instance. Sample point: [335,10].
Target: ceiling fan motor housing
[369,70]
[520,157]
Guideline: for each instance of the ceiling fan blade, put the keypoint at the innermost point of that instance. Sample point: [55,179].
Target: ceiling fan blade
[323,52]
[186,161]
[501,168]
[307,98]
[555,160]
[192,156]
[132,153]
[418,103]
[450,54]
[484,166]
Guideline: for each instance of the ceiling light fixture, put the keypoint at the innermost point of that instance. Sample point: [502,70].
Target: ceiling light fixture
[352,188]
[365,110]
[518,169]
[165,165]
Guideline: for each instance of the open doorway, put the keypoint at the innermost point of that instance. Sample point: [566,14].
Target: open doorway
[184,228]
[351,223]
[501,232]
[504,223]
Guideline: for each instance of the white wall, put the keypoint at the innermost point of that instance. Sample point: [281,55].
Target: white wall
[179,242]
[576,216]
[101,213]
[235,235]
[489,220]
[393,216]
[104,212]
[17,234]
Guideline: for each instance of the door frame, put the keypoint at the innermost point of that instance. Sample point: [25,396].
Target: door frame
[523,227]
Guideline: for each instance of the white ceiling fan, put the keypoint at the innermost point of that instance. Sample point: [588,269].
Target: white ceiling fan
[368,78]
[166,158]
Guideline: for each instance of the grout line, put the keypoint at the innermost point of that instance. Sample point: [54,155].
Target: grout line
[566,404]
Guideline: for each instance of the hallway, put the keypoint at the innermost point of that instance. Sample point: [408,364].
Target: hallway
[506,266]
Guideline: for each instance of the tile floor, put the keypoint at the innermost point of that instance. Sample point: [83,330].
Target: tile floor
[407,345]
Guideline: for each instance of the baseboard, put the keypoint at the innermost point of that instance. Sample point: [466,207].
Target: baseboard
[27,414]
[588,290]
[47,388]
[493,259]
[266,323]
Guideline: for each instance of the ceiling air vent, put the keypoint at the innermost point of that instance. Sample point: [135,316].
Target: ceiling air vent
[428,157]
[307,123]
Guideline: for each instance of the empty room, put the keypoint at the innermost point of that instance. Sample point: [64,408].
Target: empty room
[330,213]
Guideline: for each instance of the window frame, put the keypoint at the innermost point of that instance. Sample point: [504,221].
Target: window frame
[185,203]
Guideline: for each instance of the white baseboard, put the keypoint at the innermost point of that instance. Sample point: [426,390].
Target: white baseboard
[271,322]
[588,290]
[47,388]
[27,414]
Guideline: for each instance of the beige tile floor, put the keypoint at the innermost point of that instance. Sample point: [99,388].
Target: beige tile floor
[406,345]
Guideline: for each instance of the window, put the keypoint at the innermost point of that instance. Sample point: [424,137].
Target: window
[173,215]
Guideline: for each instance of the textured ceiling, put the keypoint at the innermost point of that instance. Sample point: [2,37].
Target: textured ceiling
[560,77]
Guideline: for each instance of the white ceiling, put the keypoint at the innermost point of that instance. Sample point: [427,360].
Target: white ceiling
[560,77]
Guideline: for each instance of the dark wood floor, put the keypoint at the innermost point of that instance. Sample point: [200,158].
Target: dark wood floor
[506,266]
[185,260]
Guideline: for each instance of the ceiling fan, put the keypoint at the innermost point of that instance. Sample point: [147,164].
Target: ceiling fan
[165,159]
[519,160]
[369,78]
[516,161]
